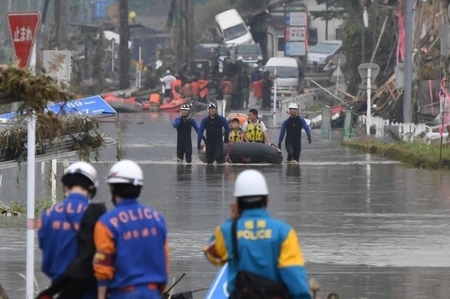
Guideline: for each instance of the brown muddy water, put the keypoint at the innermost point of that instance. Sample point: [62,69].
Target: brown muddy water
[369,227]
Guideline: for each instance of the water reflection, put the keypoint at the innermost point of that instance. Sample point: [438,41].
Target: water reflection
[293,170]
[184,172]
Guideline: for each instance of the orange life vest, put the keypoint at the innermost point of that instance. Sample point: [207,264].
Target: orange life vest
[227,87]
[195,88]
[187,89]
[203,90]
[175,83]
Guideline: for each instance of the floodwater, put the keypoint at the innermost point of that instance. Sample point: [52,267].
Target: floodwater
[369,228]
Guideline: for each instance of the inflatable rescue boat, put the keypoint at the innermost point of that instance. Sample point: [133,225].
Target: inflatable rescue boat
[248,153]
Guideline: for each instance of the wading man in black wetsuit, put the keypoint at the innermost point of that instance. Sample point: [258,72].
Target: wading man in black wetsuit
[213,124]
[184,125]
[293,129]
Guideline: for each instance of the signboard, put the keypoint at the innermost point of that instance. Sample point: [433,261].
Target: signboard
[295,48]
[23,27]
[296,19]
[218,289]
[57,65]
[88,106]
[295,34]
[100,8]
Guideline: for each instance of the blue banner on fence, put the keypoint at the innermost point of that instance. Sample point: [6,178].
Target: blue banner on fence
[88,106]
[218,289]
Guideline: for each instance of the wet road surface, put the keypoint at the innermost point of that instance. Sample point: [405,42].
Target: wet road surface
[369,227]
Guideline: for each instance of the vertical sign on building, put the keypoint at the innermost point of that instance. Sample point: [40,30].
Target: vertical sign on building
[23,27]
[296,30]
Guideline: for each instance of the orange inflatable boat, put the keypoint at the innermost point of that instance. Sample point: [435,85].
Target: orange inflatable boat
[241,116]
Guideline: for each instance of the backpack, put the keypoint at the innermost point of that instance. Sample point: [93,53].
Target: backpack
[252,286]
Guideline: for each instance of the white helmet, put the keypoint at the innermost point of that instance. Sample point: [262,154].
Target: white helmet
[250,182]
[293,106]
[126,172]
[84,169]
[186,107]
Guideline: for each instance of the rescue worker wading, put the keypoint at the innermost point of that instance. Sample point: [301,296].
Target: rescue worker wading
[65,236]
[264,255]
[132,259]
[213,124]
[293,129]
[254,130]
[184,125]
[236,131]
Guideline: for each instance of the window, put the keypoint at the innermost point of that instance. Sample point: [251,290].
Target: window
[234,32]
[248,49]
[283,71]
[324,48]
[281,44]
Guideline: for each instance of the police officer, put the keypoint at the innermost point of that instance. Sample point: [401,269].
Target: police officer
[293,128]
[132,258]
[213,124]
[259,249]
[184,125]
[59,228]
[254,130]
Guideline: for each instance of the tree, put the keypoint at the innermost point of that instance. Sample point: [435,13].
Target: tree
[333,10]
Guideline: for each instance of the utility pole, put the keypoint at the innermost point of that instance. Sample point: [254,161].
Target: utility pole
[57,5]
[407,93]
[190,43]
[124,58]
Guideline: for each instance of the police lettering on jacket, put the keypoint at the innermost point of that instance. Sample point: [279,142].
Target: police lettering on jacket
[131,243]
[57,231]
[271,242]
[293,128]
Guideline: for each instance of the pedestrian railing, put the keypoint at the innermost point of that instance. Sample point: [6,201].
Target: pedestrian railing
[408,132]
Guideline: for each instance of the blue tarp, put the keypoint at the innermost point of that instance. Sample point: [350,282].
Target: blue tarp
[88,106]
[218,289]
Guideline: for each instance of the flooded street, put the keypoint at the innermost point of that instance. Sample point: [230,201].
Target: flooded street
[369,227]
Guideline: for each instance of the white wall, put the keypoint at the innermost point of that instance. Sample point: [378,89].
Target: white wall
[320,24]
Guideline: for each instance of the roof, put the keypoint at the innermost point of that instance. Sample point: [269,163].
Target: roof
[229,18]
[110,35]
[282,61]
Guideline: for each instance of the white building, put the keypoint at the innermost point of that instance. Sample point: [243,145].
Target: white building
[317,27]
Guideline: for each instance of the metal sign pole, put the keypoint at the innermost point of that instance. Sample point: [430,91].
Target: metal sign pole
[369,91]
[31,147]
[113,55]
[275,98]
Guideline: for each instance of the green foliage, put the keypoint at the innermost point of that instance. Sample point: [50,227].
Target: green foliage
[353,28]
[333,10]
[417,154]
[204,20]
[98,63]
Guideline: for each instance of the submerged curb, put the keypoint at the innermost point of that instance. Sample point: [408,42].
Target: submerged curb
[419,155]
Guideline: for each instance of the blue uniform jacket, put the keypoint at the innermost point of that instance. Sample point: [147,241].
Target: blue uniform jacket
[214,129]
[284,126]
[131,247]
[267,247]
[57,231]
[177,121]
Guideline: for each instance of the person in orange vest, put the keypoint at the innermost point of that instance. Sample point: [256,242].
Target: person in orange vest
[227,89]
[187,91]
[195,90]
[175,83]
[203,89]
